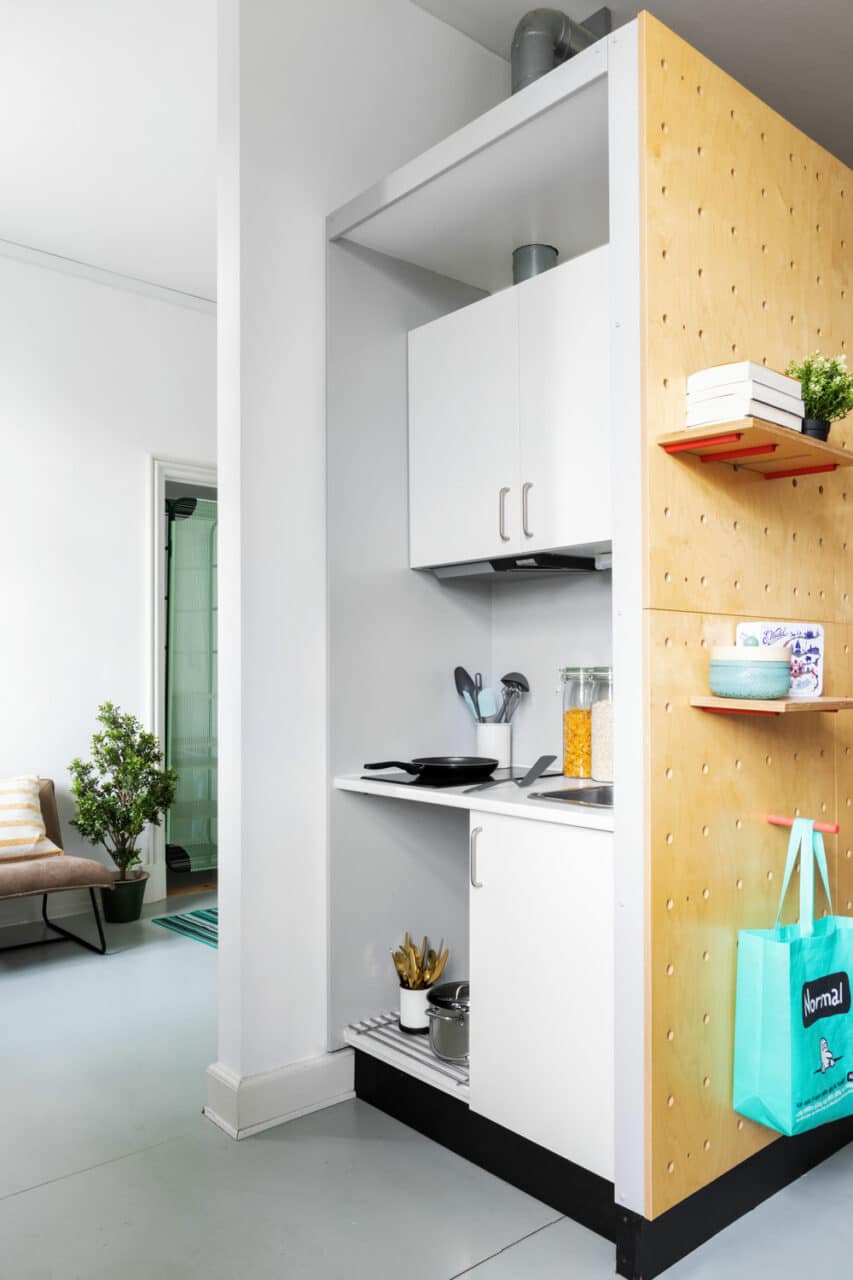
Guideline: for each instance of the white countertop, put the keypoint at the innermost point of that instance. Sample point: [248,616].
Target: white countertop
[505,798]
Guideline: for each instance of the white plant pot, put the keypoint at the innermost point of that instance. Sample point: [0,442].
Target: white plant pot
[413,1009]
[495,741]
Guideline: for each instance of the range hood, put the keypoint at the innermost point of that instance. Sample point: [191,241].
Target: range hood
[538,565]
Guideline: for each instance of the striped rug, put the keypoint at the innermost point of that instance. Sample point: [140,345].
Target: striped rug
[202,925]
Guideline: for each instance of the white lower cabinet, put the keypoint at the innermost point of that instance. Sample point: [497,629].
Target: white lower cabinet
[542,999]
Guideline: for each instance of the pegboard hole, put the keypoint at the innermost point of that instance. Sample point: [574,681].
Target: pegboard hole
[707,1082]
[738,764]
[763,304]
[669,904]
[670,970]
[707,1144]
[740,1124]
[703,581]
[664,127]
[670,1035]
[705,768]
[739,823]
[670,1168]
[668,642]
[669,837]
[737,584]
[768,760]
[703,519]
[664,65]
[706,893]
[706,1018]
[670,1102]
[669,774]
[739,883]
[769,875]
[668,708]
[706,831]
[667,577]
[706,956]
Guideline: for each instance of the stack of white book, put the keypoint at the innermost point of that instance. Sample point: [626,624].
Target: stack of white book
[743,390]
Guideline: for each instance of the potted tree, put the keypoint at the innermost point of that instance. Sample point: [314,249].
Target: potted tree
[827,391]
[119,792]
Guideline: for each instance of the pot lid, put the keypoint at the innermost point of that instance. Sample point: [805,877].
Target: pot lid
[450,995]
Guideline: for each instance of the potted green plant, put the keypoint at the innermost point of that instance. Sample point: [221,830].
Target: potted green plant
[119,792]
[827,391]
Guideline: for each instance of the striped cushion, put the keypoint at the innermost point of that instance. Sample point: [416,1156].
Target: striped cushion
[22,833]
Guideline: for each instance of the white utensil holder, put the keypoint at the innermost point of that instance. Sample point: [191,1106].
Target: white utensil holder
[495,741]
[413,1009]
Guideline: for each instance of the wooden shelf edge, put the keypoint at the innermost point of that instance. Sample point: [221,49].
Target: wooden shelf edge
[771,707]
[776,453]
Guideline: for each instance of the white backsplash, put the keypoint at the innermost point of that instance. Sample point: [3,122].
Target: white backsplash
[539,627]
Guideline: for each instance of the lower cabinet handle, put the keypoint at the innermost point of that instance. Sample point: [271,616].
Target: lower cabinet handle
[525,490]
[502,515]
[472,858]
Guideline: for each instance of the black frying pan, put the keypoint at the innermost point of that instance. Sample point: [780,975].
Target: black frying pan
[443,771]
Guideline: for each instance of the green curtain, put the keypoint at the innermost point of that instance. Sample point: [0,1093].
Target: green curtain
[191,684]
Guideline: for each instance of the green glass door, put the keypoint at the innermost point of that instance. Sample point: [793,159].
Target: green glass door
[191,680]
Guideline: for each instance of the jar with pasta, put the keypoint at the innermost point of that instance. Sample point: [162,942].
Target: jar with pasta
[578,687]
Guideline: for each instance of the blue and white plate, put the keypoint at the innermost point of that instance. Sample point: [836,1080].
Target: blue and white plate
[804,639]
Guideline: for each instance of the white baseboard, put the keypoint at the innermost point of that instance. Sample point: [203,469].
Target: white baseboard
[241,1106]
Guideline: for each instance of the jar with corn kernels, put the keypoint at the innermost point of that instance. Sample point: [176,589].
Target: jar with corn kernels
[579,689]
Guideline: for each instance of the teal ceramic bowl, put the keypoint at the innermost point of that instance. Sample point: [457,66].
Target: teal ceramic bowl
[765,673]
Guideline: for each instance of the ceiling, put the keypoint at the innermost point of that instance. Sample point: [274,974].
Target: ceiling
[795,54]
[108,145]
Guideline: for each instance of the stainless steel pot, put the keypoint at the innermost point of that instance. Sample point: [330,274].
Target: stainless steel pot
[449,1010]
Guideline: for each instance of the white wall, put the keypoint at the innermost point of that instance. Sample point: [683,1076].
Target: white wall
[93,381]
[316,102]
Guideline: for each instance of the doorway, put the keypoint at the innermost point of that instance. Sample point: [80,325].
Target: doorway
[191,675]
[184,850]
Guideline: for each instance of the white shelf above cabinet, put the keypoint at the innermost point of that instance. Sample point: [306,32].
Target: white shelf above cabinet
[534,169]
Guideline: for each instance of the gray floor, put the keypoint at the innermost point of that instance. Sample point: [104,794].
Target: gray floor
[107,1168]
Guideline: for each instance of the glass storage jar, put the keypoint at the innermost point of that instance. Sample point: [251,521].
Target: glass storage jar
[578,685]
[602,725]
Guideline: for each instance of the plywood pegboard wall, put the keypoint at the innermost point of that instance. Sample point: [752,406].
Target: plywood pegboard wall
[748,233]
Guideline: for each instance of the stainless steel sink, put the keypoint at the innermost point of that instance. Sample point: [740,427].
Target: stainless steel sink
[598,797]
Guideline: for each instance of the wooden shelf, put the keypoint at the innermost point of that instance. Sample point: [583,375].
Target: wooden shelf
[532,169]
[771,707]
[776,453]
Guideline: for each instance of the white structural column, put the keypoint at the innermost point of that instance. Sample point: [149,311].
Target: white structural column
[316,102]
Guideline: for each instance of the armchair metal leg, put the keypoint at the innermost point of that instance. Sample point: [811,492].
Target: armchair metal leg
[73,937]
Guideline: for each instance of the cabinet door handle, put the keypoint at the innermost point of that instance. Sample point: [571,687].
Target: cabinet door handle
[525,490]
[502,515]
[472,858]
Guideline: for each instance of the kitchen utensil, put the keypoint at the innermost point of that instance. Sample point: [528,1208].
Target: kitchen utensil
[536,771]
[449,1010]
[514,684]
[466,688]
[469,703]
[757,671]
[413,1009]
[443,770]
[495,740]
[488,703]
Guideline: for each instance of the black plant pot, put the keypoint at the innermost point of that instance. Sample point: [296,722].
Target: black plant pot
[123,902]
[817,428]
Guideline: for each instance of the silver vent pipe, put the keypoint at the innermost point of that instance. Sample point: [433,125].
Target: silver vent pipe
[546,38]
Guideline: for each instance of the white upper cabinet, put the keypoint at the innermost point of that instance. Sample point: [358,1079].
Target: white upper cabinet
[509,421]
[463,435]
[564,405]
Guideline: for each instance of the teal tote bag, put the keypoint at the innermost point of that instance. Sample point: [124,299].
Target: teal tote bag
[793,1066]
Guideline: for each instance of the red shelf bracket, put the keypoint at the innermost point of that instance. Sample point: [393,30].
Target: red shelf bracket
[739,711]
[754,451]
[690,446]
[801,471]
